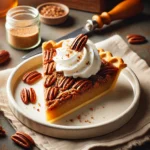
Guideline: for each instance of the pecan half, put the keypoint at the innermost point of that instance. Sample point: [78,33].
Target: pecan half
[48,55]
[49,68]
[23,139]
[4,56]
[82,85]
[102,80]
[61,98]
[136,39]
[28,95]
[31,77]
[111,70]
[49,80]
[65,82]
[2,132]
[51,93]
[64,96]
[52,104]
[79,42]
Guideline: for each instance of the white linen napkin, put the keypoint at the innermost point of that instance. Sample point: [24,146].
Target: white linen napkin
[132,133]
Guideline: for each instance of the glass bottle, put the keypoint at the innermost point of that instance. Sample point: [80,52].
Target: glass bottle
[23,27]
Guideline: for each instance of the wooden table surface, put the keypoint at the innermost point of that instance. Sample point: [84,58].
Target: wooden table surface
[139,25]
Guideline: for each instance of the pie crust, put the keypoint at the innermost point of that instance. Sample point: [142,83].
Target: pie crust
[64,95]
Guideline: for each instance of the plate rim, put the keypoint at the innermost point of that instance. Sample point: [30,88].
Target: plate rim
[64,127]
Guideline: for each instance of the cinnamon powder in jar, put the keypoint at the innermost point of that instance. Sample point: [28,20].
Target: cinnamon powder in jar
[23,27]
[23,37]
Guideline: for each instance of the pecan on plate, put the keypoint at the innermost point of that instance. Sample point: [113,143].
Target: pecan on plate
[2,132]
[82,85]
[4,56]
[31,77]
[23,139]
[28,95]
[79,42]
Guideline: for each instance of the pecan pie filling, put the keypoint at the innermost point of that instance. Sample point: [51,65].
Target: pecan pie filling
[61,88]
[74,86]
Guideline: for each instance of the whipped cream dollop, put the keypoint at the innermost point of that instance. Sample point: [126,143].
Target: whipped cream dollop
[83,64]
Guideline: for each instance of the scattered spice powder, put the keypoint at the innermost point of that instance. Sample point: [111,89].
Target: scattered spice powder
[38,109]
[79,117]
[88,63]
[91,109]
[71,52]
[39,104]
[79,57]
[92,117]
[23,37]
[71,120]
[88,121]
[67,55]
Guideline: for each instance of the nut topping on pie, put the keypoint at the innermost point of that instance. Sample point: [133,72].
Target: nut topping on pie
[48,55]
[49,80]
[51,93]
[49,68]
[82,85]
[65,82]
[79,42]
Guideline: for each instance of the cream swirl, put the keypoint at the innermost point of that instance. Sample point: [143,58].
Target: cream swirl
[83,64]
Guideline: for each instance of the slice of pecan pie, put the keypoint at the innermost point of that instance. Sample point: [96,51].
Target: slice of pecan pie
[70,80]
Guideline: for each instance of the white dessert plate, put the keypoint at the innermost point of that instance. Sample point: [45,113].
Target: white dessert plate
[103,116]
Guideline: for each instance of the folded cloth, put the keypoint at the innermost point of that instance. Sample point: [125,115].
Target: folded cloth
[135,132]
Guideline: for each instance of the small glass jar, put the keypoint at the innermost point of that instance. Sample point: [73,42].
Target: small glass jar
[23,27]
